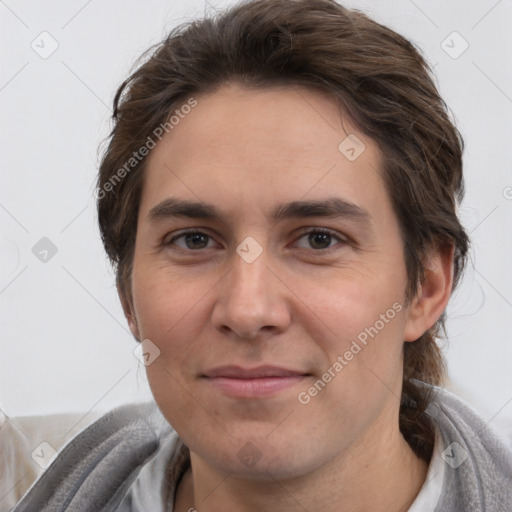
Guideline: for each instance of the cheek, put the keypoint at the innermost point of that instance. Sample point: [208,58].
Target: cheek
[358,324]
[350,305]
[172,316]
[180,404]
[163,303]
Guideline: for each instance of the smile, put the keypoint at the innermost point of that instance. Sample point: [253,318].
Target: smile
[252,383]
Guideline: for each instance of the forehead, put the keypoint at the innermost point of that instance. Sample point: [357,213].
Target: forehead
[253,148]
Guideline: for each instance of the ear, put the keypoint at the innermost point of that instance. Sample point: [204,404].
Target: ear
[433,294]
[129,312]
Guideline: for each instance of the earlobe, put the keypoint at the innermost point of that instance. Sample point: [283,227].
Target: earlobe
[433,294]
[129,313]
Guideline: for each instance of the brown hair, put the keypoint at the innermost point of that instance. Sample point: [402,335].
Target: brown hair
[385,85]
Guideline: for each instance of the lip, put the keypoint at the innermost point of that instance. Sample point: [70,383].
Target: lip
[262,381]
[238,372]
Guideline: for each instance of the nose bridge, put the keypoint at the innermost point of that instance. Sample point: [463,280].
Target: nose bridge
[248,297]
[249,280]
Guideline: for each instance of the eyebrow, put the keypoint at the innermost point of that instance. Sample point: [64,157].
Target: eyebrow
[332,207]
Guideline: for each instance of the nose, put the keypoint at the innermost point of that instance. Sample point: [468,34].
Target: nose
[251,300]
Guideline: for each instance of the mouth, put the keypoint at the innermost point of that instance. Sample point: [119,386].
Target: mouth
[262,381]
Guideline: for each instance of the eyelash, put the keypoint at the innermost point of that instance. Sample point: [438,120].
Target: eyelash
[334,235]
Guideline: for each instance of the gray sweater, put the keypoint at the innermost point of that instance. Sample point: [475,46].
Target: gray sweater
[130,460]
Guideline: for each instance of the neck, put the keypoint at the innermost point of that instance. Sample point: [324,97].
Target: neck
[379,473]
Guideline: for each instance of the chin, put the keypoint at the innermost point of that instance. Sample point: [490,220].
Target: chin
[261,458]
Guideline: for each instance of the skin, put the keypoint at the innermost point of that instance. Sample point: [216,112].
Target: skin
[297,305]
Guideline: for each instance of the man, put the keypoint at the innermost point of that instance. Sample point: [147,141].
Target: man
[279,201]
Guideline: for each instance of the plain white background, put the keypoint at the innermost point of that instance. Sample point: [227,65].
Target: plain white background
[64,343]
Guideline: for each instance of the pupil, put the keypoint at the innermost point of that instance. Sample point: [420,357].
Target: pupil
[196,239]
[320,240]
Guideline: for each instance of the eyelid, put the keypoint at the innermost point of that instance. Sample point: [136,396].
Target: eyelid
[344,240]
[188,231]
[317,229]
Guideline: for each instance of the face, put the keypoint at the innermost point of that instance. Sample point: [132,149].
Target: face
[277,302]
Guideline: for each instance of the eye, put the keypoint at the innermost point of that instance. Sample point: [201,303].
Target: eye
[191,241]
[319,239]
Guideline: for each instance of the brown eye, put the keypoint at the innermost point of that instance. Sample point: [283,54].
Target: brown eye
[193,240]
[319,239]
[196,240]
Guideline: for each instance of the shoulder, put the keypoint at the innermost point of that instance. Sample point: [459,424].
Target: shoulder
[478,461]
[99,465]
[26,447]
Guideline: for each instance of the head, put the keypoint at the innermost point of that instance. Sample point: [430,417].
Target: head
[249,110]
